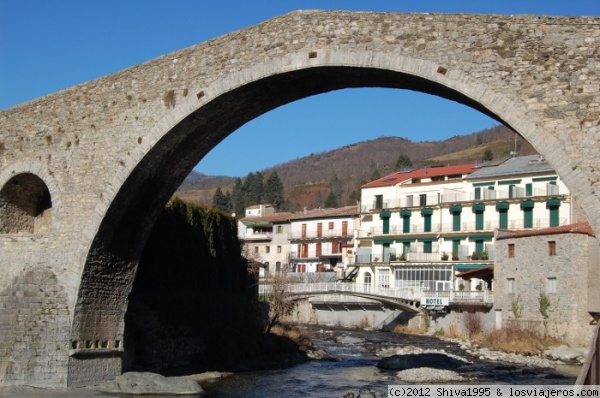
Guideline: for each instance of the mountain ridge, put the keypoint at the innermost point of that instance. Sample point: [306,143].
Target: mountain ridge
[309,180]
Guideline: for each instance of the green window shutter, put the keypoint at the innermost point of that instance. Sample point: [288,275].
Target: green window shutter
[479,220]
[427,223]
[553,205]
[386,225]
[427,247]
[511,191]
[503,222]
[479,247]
[554,217]
[528,217]
[456,221]
[455,245]
[405,247]
[477,193]
[278,266]
[529,189]
[406,224]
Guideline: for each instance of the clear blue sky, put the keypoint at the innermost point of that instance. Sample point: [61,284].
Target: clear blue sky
[46,46]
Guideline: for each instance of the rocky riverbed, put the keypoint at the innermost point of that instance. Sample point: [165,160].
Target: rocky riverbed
[346,361]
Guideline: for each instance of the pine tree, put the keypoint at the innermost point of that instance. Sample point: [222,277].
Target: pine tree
[376,175]
[221,201]
[488,155]
[402,162]
[237,198]
[253,189]
[331,200]
[273,191]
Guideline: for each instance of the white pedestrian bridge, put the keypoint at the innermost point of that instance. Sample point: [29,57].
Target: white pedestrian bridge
[413,299]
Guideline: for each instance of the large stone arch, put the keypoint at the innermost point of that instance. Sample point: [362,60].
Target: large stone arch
[119,146]
[256,90]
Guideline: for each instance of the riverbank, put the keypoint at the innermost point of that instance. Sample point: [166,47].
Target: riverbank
[349,359]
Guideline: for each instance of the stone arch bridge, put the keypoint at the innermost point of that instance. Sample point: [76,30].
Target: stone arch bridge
[84,172]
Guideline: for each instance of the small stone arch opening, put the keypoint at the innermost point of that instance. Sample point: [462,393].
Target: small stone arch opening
[25,205]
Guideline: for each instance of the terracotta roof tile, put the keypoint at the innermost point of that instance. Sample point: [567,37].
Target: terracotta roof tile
[578,228]
[399,177]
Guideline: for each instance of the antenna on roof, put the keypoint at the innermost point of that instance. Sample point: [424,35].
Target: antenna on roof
[513,154]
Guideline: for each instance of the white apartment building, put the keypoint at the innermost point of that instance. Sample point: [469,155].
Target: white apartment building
[265,238]
[419,228]
[316,240]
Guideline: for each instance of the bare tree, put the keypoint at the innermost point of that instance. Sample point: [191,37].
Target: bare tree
[281,302]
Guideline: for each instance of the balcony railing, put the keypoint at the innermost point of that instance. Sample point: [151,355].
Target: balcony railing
[325,233]
[456,197]
[257,236]
[465,226]
[313,254]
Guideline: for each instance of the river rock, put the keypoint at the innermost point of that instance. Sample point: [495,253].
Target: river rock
[423,360]
[427,375]
[566,354]
[349,340]
[139,383]
[208,378]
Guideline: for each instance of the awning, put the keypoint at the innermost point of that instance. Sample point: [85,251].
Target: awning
[502,206]
[405,213]
[553,203]
[478,207]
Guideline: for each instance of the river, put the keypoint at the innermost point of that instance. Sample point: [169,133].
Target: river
[351,370]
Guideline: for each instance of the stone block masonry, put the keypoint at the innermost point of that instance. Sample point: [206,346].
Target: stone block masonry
[110,152]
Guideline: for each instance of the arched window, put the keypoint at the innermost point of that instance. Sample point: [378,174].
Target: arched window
[24,205]
[367,278]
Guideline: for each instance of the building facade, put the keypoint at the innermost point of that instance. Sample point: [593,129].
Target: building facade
[421,227]
[316,240]
[536,289]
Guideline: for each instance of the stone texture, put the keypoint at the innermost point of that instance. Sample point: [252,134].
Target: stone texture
[112,151]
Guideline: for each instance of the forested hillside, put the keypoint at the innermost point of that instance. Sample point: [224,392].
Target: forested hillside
[335,177]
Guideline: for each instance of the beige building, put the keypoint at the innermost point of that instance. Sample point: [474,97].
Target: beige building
[547,279]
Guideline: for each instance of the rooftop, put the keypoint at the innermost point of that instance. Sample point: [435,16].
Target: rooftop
[578,228]
[531,164]
[425,172]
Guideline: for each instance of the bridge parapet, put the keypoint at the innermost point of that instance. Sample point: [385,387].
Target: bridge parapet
[412,296]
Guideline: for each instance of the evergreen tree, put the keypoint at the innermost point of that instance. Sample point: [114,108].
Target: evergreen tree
[488,155]
[220,201]
[331,200]
[253,189]
[402,162]
[273,191]
[237,198]
[375,175]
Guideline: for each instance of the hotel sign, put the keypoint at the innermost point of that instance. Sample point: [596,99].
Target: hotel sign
[435,301]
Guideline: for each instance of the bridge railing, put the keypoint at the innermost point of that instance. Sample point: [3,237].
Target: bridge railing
[412,293]
[357,288]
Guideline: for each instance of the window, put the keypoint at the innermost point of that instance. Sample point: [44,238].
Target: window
[510,285]
[278,266]
[552,248]
[511,250]
[330,225]
[279,229]
[267,249]
[384,278]
[409,200]
[551,285]
[379,201]
[367,278]
[256,249]
[422,200]
[278,249]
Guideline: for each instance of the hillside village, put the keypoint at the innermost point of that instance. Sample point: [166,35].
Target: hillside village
[498,233]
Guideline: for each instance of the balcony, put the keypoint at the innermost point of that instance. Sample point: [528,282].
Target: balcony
[448,197]
[324,234]
[313,255]
[465,226]
[257,236]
